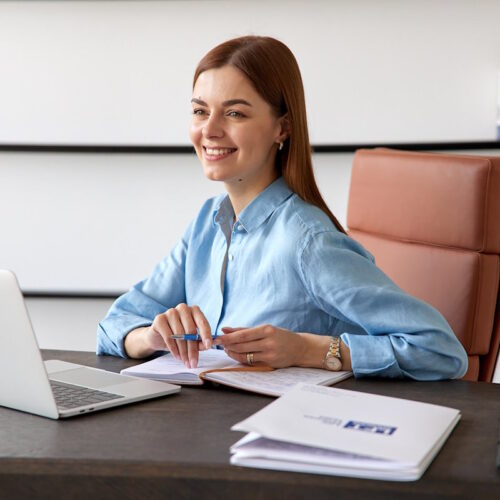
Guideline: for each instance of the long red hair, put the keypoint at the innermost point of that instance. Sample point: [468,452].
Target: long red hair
[273,70]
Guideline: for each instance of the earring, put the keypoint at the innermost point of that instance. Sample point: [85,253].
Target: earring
[281,146]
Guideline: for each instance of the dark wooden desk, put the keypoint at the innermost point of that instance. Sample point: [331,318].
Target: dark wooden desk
[178,447]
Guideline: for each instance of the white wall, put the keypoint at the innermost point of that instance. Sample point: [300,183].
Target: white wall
[121,71]
[68,324]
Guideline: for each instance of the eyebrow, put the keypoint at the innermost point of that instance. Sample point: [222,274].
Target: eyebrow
[231,102]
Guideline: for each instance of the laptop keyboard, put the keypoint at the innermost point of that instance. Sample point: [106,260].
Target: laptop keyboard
[71,396]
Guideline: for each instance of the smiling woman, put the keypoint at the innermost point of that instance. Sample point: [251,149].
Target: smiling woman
[267,268]
[236,139]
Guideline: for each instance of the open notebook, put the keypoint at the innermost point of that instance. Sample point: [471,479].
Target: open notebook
[216,366]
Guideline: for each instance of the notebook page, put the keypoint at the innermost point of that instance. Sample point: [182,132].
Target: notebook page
[168,368]
[276,382]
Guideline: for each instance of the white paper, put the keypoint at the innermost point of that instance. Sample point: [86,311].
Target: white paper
[278,381]
[348,433]
[253,444]
[166,367]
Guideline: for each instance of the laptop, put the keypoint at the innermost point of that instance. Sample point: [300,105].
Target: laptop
[56,389]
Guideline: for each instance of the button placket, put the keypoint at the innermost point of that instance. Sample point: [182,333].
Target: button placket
[235,241]
[238,239]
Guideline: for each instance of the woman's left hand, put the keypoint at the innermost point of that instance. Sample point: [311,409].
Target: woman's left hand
[267,344]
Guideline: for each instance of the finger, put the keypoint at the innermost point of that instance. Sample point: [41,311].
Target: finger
[161,327]
[255,346]
[183,351]
[242,358]
[203,326]
[185,315]
[230,329]
[246,335]
[227,330]
[186,318]
[177,328]
[192,352]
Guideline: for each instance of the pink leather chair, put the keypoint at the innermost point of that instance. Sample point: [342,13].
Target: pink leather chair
[432,222]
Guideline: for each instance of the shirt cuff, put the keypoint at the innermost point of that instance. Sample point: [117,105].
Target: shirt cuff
[111,334]
[372,355]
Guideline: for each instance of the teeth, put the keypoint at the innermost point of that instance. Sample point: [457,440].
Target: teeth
[218,152]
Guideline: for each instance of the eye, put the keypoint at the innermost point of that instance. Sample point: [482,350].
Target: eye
[198,112]
[235,114]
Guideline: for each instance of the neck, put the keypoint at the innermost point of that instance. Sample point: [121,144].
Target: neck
[241,193]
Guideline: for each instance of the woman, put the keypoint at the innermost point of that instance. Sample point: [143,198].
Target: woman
[267,267]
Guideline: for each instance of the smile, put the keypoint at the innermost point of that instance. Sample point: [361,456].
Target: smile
[217,153]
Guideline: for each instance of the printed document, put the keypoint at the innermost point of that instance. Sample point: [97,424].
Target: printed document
[215,365]
[339,432]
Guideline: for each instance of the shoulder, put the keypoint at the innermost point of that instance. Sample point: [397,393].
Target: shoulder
[315,232]
[307,217]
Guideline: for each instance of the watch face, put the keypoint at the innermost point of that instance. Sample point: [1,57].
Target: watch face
[333,363]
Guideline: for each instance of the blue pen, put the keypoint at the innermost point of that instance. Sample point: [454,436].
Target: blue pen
[190,336]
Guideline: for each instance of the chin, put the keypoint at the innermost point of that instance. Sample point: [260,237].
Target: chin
[214,175]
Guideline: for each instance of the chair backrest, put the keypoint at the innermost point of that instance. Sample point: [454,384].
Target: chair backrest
[432,222]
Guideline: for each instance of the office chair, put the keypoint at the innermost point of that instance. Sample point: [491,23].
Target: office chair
[432,222]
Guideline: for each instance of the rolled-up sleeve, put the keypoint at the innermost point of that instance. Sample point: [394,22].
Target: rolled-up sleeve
[393,333]
[165,288]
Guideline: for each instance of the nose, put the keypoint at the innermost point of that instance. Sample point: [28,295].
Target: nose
[213,127]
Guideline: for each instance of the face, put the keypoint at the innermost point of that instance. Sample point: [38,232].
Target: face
[233,129]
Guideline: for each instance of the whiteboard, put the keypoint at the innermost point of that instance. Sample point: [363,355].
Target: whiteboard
[78,72]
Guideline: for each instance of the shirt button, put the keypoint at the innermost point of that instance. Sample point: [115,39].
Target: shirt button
[231,256]
[240,227]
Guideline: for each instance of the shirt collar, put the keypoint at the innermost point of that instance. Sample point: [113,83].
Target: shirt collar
[259,209]
[223,211]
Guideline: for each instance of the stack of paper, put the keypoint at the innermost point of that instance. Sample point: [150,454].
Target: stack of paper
[338,432]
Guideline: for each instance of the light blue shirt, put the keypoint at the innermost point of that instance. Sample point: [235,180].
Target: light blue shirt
[284,263]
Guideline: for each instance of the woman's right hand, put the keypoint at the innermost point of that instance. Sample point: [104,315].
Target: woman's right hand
[178,320]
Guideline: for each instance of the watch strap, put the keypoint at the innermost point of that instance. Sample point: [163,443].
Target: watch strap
[333,349]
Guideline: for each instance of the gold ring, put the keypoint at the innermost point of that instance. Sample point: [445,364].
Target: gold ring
[250,358]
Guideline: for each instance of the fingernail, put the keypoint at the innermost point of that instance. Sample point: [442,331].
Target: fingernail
[193,363]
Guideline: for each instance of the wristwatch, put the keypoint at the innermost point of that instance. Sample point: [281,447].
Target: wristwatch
[332,359]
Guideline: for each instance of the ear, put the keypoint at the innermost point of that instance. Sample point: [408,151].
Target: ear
[285,128]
